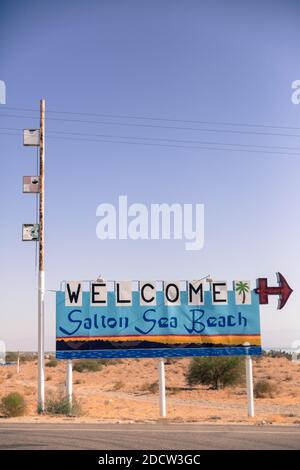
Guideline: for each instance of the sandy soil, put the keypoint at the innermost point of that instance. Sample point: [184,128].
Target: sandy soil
[120,392]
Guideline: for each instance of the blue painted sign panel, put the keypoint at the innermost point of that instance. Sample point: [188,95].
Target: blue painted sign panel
[160,330]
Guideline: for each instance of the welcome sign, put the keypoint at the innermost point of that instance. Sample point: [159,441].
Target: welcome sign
[156,319]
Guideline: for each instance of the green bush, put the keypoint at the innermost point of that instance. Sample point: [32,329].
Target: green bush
[89,365]
[52,363]
[216,371]
[60,405]
[264,389]
[13,404]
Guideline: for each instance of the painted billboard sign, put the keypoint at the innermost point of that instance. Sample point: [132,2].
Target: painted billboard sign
[162,319]
[156,319]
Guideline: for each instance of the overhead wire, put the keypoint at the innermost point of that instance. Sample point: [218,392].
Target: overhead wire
[171,146]
[156,126]
[160,141]
[104,138]
[152,118]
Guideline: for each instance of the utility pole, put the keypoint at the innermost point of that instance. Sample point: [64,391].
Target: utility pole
[41,280]
[35,232]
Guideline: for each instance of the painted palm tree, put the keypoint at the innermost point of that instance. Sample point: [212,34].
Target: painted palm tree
[242,288]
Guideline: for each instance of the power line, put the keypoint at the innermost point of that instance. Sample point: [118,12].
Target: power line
[162,139]
[152,118]
[111,136]
[177,146]
[168,145]
[231,131]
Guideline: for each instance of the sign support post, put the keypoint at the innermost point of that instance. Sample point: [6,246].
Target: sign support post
[41,280]
[249,379]
[162,389]
[69,383]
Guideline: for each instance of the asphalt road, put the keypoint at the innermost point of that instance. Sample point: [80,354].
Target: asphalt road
[147,436]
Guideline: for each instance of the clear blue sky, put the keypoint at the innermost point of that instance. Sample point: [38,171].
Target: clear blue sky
[228,62]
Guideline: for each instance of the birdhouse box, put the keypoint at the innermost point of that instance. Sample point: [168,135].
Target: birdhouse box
[31,184]
[31,137]
[31,232]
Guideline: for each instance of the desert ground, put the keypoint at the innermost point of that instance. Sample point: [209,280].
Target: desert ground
[126,391]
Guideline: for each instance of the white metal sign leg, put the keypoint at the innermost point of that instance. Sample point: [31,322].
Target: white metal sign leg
[162,389]
[249,379]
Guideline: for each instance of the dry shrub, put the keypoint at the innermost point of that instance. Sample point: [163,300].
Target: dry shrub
[60,405]
[11,356]
[27,357]
[13,405]
[87,365]
[108,361]
[118,385]
[149,387]
[264,389]
[52,363]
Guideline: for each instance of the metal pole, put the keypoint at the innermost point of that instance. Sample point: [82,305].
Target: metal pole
[69,383]
[162,388]
[41,280]
[249,379]
[18,363]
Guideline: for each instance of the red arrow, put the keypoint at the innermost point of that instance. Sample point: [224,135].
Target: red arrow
[283,290]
